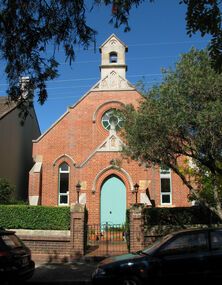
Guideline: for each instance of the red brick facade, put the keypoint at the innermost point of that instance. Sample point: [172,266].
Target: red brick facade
[78,138]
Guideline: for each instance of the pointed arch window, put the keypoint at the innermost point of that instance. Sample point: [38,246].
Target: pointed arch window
[64,171]
[113,57]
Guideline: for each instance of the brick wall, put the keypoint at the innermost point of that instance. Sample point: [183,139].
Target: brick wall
[74,139]
[58,246]
[47,246]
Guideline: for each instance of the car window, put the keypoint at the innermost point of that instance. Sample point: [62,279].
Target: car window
[152,247]
[216,239]
[191,242]
[11,241]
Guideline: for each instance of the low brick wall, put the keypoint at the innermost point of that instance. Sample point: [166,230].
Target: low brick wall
[47,246]
[58,246]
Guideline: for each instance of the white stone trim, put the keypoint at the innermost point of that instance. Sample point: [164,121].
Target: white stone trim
[109,38]
[34,200]
[108,168]
[36,167]
[104,104]
[64,155]
[105,147]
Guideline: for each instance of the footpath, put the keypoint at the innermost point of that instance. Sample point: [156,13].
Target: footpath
[76,272]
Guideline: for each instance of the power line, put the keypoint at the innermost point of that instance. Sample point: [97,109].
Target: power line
[166,43]
[128,59]
[96,78]
[146,74]
[76,79]
[63,97]
[86,79]
[155,44]
[81,86]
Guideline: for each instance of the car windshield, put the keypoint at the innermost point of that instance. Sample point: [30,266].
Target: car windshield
[12,241]
[149,250]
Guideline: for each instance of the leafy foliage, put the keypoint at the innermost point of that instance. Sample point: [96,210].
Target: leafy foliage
[127,231]
[205,16]
[34,217]
[6,191]
[86,215]
[27,28]
[179,124]
[179,216]
[162,221]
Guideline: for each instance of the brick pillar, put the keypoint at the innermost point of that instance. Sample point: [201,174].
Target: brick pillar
[77,229]
[136,228]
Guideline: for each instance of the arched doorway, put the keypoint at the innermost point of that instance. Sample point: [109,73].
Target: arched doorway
[113,201]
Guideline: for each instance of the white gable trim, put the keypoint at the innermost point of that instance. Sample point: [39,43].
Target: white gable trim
[101,148]
[113,82]
[109,38]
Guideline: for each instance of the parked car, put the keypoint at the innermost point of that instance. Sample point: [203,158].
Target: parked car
[185,255]
[15,258]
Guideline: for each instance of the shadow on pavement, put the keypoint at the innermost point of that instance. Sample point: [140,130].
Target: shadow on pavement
[77,272]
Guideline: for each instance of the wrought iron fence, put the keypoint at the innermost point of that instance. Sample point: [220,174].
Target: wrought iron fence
[106,239]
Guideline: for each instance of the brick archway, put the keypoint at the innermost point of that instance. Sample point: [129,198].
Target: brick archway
[111,170]
[119,173]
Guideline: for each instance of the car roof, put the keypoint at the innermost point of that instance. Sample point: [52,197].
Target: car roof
[6,232]
[193,230]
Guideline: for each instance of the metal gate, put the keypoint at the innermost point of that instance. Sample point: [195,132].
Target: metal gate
[106,240]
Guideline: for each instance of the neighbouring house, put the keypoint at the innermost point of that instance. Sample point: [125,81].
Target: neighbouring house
[16,145]
[79,157]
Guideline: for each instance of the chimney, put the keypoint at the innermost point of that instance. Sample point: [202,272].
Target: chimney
[26,91]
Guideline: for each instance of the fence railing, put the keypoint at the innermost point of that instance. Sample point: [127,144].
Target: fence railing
[106,239]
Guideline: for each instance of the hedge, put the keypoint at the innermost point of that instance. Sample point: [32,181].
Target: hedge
[34,217]
[179,216]
[127,231]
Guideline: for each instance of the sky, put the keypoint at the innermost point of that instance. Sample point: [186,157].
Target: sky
[157,39]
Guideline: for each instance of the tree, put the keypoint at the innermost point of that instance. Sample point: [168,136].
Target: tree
[179,125]
[26,30]
[205,16]
[202,16]
[28,27]
[6,191]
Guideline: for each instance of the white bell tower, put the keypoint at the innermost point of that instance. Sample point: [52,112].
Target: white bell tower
[113,57]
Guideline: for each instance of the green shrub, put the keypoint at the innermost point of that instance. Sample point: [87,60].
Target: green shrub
[127,231]
[86,214]
[6,191]
[34,217]
[179,216]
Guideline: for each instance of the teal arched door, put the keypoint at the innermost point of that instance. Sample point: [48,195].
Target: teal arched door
[113,201]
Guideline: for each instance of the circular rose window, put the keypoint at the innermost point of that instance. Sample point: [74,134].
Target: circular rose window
[110,120]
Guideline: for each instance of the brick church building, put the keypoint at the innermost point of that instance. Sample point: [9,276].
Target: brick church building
[79,157]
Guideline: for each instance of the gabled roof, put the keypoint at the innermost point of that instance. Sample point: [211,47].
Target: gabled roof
[6,106]
[113,35]
[92,89]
